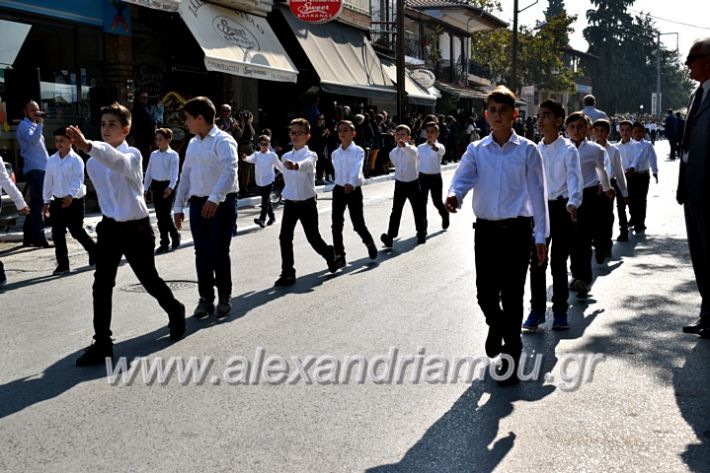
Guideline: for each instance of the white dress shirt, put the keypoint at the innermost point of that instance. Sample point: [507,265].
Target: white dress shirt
[162,166]
[430,160]
[591,159]
[562,170]
[628,152]
[614,168]
[646,158]
[8,186]
[117,174]
[209,170]
[509,182]
[405,163]
[264,165]
[348,165]
[300,184]
[64,176]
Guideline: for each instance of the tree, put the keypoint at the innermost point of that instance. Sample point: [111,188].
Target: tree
[555,8]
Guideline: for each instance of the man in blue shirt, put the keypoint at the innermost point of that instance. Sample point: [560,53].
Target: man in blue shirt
[34,153]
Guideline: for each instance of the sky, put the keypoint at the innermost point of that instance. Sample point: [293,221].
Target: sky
[672,16]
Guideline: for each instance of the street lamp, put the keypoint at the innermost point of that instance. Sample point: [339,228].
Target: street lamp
[640,111]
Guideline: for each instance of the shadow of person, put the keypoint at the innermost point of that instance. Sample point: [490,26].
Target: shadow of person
[692,393]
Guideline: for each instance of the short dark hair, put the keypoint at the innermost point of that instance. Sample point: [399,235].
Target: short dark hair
[554,107]
[403,127]
[166,133]
[431,125]
[431,118]
[264,138]
[575,117]
[62,131]
[119,111]
[201,106]
[347,123]
[626,122]
[302,122]
[589,100]
[602,123]
[502,95]
[639,125]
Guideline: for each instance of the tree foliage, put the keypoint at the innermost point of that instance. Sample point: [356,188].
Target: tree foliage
[555,8]
[624,76]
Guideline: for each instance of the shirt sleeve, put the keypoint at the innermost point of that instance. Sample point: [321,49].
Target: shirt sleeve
[227,157]
[183,189]
[77,175]
[308,164]
[48,183]
[601,169]
[618,172]
[357,166]
[251,158]
[148,173]
[466,175]
[174,169]
[127,164]
[28,134]
[441,152]
[652,159]
[537,190]
[10,187]
[277,162]
[575,182]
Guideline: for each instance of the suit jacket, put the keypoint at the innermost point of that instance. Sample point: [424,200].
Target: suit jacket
[694,176]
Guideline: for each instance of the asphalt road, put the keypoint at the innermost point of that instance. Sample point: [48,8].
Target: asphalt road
[643,406]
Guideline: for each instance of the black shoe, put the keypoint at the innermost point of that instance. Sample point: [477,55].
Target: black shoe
[445,221]
[60,270]
[284,280]
[494,341]
[581,288]
[639,229]
[224,307]
[162,249]
[96,354]
[42,244]
[204,309]
[372,250]
[599,256]
[623,237]
[177,323]
[259,222]
[92,259]
[271,221]
[504,367]
[176,242]
[698,325]
[704,333]
[386,240]
[3,278]
[421,239]
[340,261]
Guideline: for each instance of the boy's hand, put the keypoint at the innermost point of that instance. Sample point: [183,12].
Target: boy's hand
[572,209]
[66,201]
[401,143]
[78,137]
[452,204]
[167,192]
[209,209]
[541,250]
[611,193]
[348,188]
[627,200]
[45,210]
[179,218]
[291,165]
[25,210]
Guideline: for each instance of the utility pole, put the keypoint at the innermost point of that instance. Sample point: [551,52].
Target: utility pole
[659,106]
[399,61]
[514,64]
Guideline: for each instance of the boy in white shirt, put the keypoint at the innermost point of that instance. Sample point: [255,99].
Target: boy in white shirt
[510,204]
[638,174]
[348,160]
[406,186]
[430,155]
[63,192]
[161,178]
[117,173]
[300,203]
[8,186]
[628,150]
[265,161]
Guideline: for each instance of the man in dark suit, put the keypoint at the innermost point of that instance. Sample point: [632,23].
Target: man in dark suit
[693,189]
[672,131]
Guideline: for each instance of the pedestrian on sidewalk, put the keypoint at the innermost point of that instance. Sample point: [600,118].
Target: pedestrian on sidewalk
[116,171]
[161,178]
[300,203]
[693,189]
[430,155]
[628,150]
[348,161]
[8,186]
[639,174]
[510,205]
[209,182]
[63,192]
[406,186]
[564,197]
[265,161]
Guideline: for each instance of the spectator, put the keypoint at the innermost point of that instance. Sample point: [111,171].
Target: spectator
[143,128]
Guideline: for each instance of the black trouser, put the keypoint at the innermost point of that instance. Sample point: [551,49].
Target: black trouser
[674,147]
[307,212]
[212,237]
[432,183]
[638,184]
[606,221]
[134,239]
[620,209]
[697,224]
[72,218]
[353,201]
[562,239]
[265,193]
[163,207]
[404,191]
[589,223]
[33,228]
[502,252]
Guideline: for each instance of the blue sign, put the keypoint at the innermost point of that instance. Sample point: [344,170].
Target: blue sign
[80,11]
[117,17]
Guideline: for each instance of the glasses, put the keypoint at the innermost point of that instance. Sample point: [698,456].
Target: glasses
[296,133]
[692,57]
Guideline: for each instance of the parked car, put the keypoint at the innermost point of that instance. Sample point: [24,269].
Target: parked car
[8,211]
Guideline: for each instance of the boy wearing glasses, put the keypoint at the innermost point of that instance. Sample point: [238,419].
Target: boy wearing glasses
[300,202]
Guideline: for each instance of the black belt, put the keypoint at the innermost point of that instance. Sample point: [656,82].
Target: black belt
[299,201]
[128,223]
[504,224]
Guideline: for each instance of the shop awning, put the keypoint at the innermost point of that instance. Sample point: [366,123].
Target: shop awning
[415,93]
[461,92]
[237,43]
[343,58]
[12,36]
[163,5]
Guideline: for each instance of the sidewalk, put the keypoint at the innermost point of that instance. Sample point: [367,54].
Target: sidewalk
[92,219]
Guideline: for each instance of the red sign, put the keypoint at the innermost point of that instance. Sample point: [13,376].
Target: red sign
[316,11]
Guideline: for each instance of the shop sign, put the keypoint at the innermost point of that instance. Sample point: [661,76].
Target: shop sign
[423,77]
[316,11]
